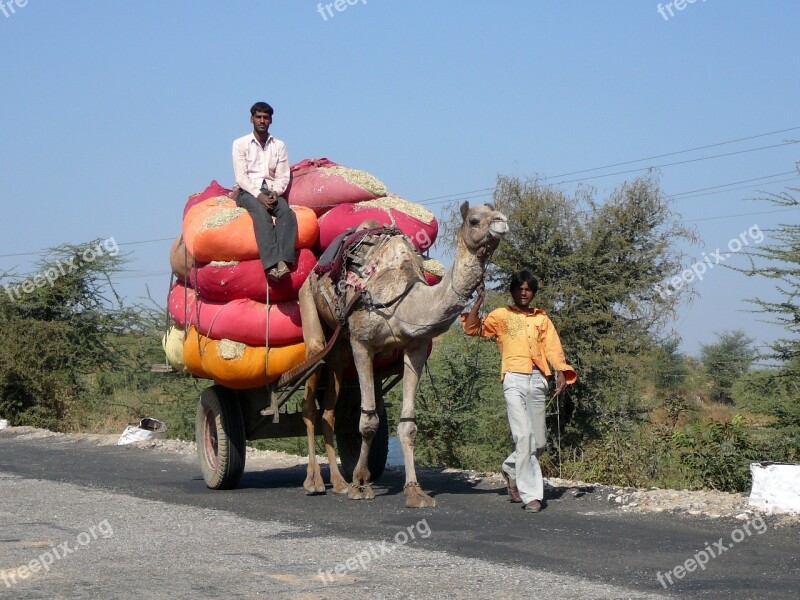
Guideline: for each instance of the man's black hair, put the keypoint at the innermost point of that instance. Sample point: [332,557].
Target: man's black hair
[523,276]
[261,107]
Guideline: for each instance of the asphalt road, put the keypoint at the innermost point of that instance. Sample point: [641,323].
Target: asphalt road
[174,538]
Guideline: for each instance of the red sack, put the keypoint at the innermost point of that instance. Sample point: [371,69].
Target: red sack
[246,279]
[341,218]
[213,189]
[414,220]
[321,184]
[240,320]
[433,271]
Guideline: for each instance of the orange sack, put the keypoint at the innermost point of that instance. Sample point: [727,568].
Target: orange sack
[217,229]
[236,365]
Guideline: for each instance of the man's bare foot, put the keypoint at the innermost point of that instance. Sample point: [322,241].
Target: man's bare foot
[279,271]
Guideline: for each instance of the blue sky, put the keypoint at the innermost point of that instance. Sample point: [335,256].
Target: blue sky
[115,112]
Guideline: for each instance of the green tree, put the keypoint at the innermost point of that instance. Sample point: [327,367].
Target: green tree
[58,332]
[601,266]
[780,261]
[727,360]
[460,407]
[670,371]
[776,392]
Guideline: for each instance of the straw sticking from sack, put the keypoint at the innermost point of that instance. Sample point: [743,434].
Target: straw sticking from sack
[360,178]
[412,209]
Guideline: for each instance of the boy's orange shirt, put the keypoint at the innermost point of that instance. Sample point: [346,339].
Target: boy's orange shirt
[524,339]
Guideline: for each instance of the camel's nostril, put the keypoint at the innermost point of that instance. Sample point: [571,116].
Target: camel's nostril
[498,227]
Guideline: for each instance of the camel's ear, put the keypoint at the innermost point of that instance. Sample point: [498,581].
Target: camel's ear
[464,211]
[490,205]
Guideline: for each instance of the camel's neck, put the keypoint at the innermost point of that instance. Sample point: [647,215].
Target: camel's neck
[429,311]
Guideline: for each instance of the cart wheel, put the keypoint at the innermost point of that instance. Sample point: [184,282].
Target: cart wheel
[349,446]
[220,438]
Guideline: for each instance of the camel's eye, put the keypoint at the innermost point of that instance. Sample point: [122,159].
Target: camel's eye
[474,221]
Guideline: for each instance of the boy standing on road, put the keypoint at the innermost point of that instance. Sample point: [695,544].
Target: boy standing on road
[261,168]
[529,344]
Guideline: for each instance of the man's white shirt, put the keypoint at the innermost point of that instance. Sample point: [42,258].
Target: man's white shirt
[252,164]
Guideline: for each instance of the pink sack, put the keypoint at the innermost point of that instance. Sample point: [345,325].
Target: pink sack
[341,218]
[414,220]
[433,271]
[246,279]
[213,189]
[321,184]
[240,320]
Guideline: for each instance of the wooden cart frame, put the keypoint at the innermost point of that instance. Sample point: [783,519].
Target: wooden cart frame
[227,419]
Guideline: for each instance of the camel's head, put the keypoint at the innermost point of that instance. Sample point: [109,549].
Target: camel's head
[482,228]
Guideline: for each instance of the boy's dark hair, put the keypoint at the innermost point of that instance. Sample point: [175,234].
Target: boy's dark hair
[261,107]
[523,276]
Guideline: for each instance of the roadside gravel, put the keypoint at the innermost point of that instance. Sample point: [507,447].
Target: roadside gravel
[708,503]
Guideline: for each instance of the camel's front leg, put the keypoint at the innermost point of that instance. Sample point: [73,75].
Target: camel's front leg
[368,423]
[414,361]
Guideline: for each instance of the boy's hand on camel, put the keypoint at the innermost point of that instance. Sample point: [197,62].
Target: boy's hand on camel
[481,289]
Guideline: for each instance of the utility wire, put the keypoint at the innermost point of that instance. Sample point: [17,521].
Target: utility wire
[483,192]
[628,162]
[767,212]
[795,173]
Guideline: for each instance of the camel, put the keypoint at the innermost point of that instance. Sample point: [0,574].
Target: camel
[395,309]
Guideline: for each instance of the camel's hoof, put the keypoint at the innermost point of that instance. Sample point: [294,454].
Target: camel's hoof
[341,488]
[416,498]
[314,485]
[360,492]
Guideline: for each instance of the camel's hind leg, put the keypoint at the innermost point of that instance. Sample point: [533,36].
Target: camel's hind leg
[314,338]
[336,362]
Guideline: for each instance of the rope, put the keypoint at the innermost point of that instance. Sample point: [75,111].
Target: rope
[433,385]
[193,282]
[558,426]
[266,337]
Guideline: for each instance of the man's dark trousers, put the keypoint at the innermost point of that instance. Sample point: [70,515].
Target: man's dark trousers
[275,242]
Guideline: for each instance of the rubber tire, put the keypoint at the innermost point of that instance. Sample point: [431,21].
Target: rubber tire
[220,405]
[349,447]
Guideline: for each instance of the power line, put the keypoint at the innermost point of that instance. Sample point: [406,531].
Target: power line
[627,162]
[454,198]
[685,195]
[482,192]
[766,212]
[744,187]
[795,173]
[40,252]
